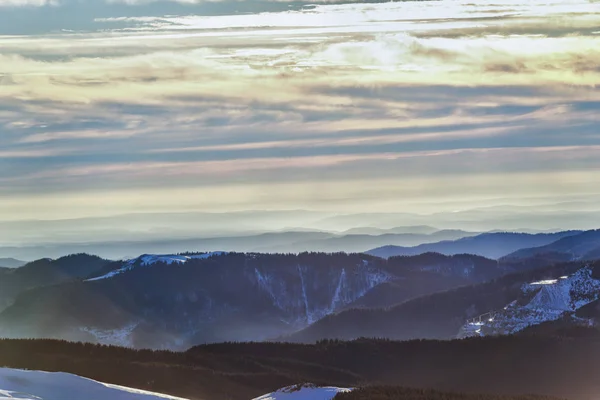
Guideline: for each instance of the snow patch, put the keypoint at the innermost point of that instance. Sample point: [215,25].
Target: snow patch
[338,290]
[309,318]
[304,392]
[555,296]
[39,385]
[117,337]
[149,259]
[309,294]
[545,282]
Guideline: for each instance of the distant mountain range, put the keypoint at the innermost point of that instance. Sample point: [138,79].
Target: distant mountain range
[45,272]
[584,245]
[272,242]
[418,229]
[490,245]
[11,263]
[379,242]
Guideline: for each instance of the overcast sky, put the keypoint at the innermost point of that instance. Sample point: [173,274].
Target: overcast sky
[121,106]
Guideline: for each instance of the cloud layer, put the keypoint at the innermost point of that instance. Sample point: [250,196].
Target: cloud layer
[348,106]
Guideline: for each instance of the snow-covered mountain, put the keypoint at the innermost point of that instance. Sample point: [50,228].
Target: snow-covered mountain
[541,301]
[305,391]
[39,385]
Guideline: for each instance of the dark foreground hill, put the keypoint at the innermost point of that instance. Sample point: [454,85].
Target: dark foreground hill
[399,392]
[561,366]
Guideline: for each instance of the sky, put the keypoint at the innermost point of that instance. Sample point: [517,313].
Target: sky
[117,107]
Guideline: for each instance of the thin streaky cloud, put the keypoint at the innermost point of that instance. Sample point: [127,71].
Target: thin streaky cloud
[121,100]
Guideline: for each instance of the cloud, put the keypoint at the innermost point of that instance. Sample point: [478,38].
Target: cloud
[27,3]
[136,100]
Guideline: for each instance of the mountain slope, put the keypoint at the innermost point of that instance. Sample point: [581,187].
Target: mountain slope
[426,274]
[541,301]
[437,316]
[11,263]
[584,245]
[173,301]
[46,272]
[490,245]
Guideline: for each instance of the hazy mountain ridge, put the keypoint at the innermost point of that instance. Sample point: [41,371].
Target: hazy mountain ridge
[289,241]
[46,272]
[417,229]
[11,263]
[585,245]
[490,245]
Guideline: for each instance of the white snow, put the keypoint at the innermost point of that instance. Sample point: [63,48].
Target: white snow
[338,290]
[294,298]
[553,297]
[304,392]
[117,337]
[39,385]
[309,318]
[149,259]
[109,275]
[545,282]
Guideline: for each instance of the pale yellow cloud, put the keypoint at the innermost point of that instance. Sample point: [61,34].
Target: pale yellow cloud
[323,93]
[28,3]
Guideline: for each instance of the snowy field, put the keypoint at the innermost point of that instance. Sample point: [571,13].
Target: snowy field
[38,385]
[304,392]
